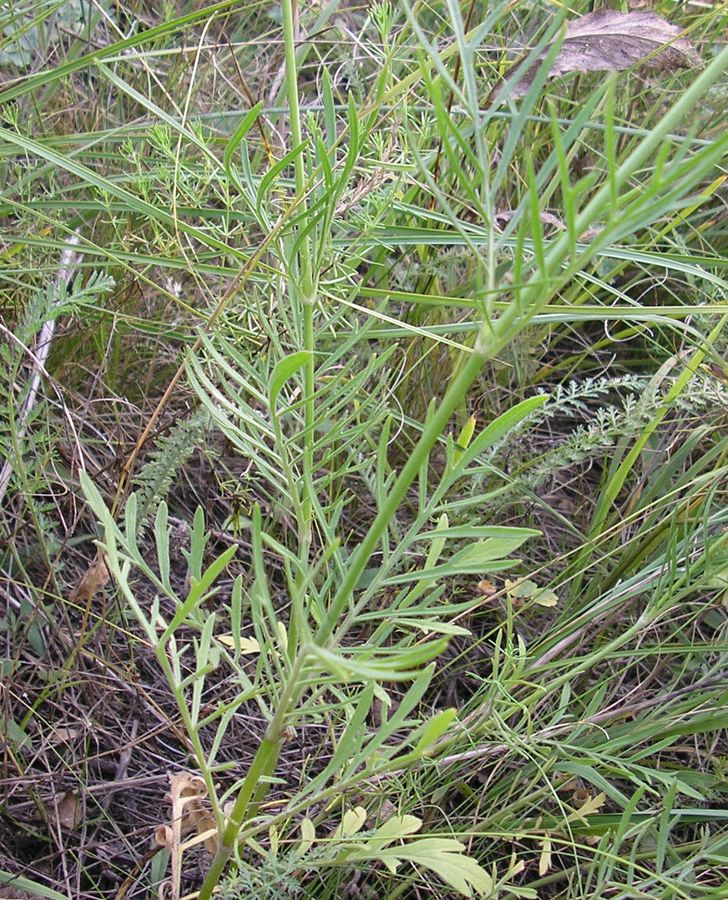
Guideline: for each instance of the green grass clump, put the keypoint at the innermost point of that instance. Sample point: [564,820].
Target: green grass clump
[395,408]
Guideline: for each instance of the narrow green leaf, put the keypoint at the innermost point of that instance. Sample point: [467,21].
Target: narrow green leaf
[284,369]
[433,730]
[247,122]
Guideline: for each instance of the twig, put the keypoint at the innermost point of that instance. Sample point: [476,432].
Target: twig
[69,260]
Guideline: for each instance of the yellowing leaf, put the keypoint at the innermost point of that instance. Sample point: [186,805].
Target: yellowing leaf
[308,836]
[590,806]
[247,645]
[443,856]
[282,636]
[544,862]
[352,822]
[465,436]
[526,590]
[394,829]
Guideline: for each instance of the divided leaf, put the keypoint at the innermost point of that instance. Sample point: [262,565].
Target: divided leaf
[443,856]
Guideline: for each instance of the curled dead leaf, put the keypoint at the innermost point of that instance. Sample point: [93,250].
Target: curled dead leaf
[93,579]
[190,814]
[164,836]
[486,588]
[609,40]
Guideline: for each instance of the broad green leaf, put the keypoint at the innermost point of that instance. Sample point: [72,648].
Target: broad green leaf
[237,136]
[489,549]
[499,428]
[266,183]
[351,823]
[394,829]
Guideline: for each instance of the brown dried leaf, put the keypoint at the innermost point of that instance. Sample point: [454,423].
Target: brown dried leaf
[68,810]
[92,580]
[190,814]
[486,588]
[164,836]
[609,40]
[62,735]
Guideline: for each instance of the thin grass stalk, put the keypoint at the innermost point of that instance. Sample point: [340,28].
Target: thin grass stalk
[302,281]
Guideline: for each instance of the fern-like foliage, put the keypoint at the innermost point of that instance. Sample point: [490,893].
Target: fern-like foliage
[170,453]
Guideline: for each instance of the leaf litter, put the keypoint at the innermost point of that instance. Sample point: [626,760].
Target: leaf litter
[610,41]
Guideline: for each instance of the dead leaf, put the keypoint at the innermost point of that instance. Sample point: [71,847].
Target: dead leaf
[610,41]
[164,836]
[486,588]
[544,861]
[67,809]
[190,814]
[62,735]
[93,579]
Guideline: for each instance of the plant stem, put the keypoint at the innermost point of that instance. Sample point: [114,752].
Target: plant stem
[253,789]
[304,289]
[452,399]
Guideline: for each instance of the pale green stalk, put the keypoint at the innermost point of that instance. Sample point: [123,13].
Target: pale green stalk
[253,790]
[304,289]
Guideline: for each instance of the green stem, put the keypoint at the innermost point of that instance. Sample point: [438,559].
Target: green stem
[304,290]
[452,399]
[253,789]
